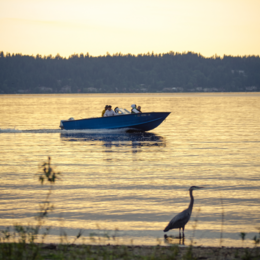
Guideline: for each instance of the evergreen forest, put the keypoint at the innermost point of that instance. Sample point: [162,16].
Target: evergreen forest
[118,73]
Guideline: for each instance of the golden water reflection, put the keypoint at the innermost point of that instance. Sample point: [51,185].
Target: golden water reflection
[132,182]
[136,141]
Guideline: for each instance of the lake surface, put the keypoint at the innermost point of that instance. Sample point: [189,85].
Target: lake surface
[135,182]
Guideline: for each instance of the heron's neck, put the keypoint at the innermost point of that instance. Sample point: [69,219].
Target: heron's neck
[191,201]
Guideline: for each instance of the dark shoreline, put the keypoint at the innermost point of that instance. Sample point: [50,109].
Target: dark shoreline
[166,252]
[74,251]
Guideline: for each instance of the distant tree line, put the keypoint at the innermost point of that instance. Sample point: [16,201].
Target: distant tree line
[169,72]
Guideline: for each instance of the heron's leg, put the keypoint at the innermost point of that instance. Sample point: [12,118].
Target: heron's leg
[181,241]
[179,232]
[183,232]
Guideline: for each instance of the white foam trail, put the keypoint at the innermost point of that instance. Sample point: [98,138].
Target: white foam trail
[10,130]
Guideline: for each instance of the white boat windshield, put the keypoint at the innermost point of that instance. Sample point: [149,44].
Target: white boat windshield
[123,111]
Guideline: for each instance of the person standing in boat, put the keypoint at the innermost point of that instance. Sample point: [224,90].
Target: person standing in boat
[139,109]
[103,112]
[134,109]
[109,112]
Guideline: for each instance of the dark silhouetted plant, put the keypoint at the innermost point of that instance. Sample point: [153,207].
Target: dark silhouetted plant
[15,243]
[243,236]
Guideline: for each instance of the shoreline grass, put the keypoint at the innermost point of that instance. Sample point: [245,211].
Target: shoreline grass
[61,251]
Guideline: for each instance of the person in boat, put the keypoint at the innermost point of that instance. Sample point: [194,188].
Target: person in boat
[116,111]
[109,112]
[139,109]
[134,109]
[103,112]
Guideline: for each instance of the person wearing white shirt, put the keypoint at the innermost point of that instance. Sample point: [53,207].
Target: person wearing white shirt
[109,112]
[134,109]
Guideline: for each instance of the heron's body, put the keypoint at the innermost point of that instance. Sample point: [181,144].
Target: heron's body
[181,219]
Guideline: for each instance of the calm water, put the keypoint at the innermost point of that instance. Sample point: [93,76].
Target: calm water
[135,182]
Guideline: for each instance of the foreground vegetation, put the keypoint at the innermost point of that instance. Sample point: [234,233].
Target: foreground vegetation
[28,242]
[92,252]
[168,72]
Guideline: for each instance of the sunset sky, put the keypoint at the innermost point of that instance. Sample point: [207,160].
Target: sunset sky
[209,27]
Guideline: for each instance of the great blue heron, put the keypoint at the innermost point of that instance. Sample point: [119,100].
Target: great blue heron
[180,220]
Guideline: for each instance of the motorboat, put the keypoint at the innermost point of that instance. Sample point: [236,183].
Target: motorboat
[123,120]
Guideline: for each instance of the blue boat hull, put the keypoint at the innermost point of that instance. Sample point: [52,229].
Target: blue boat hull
[137,122]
